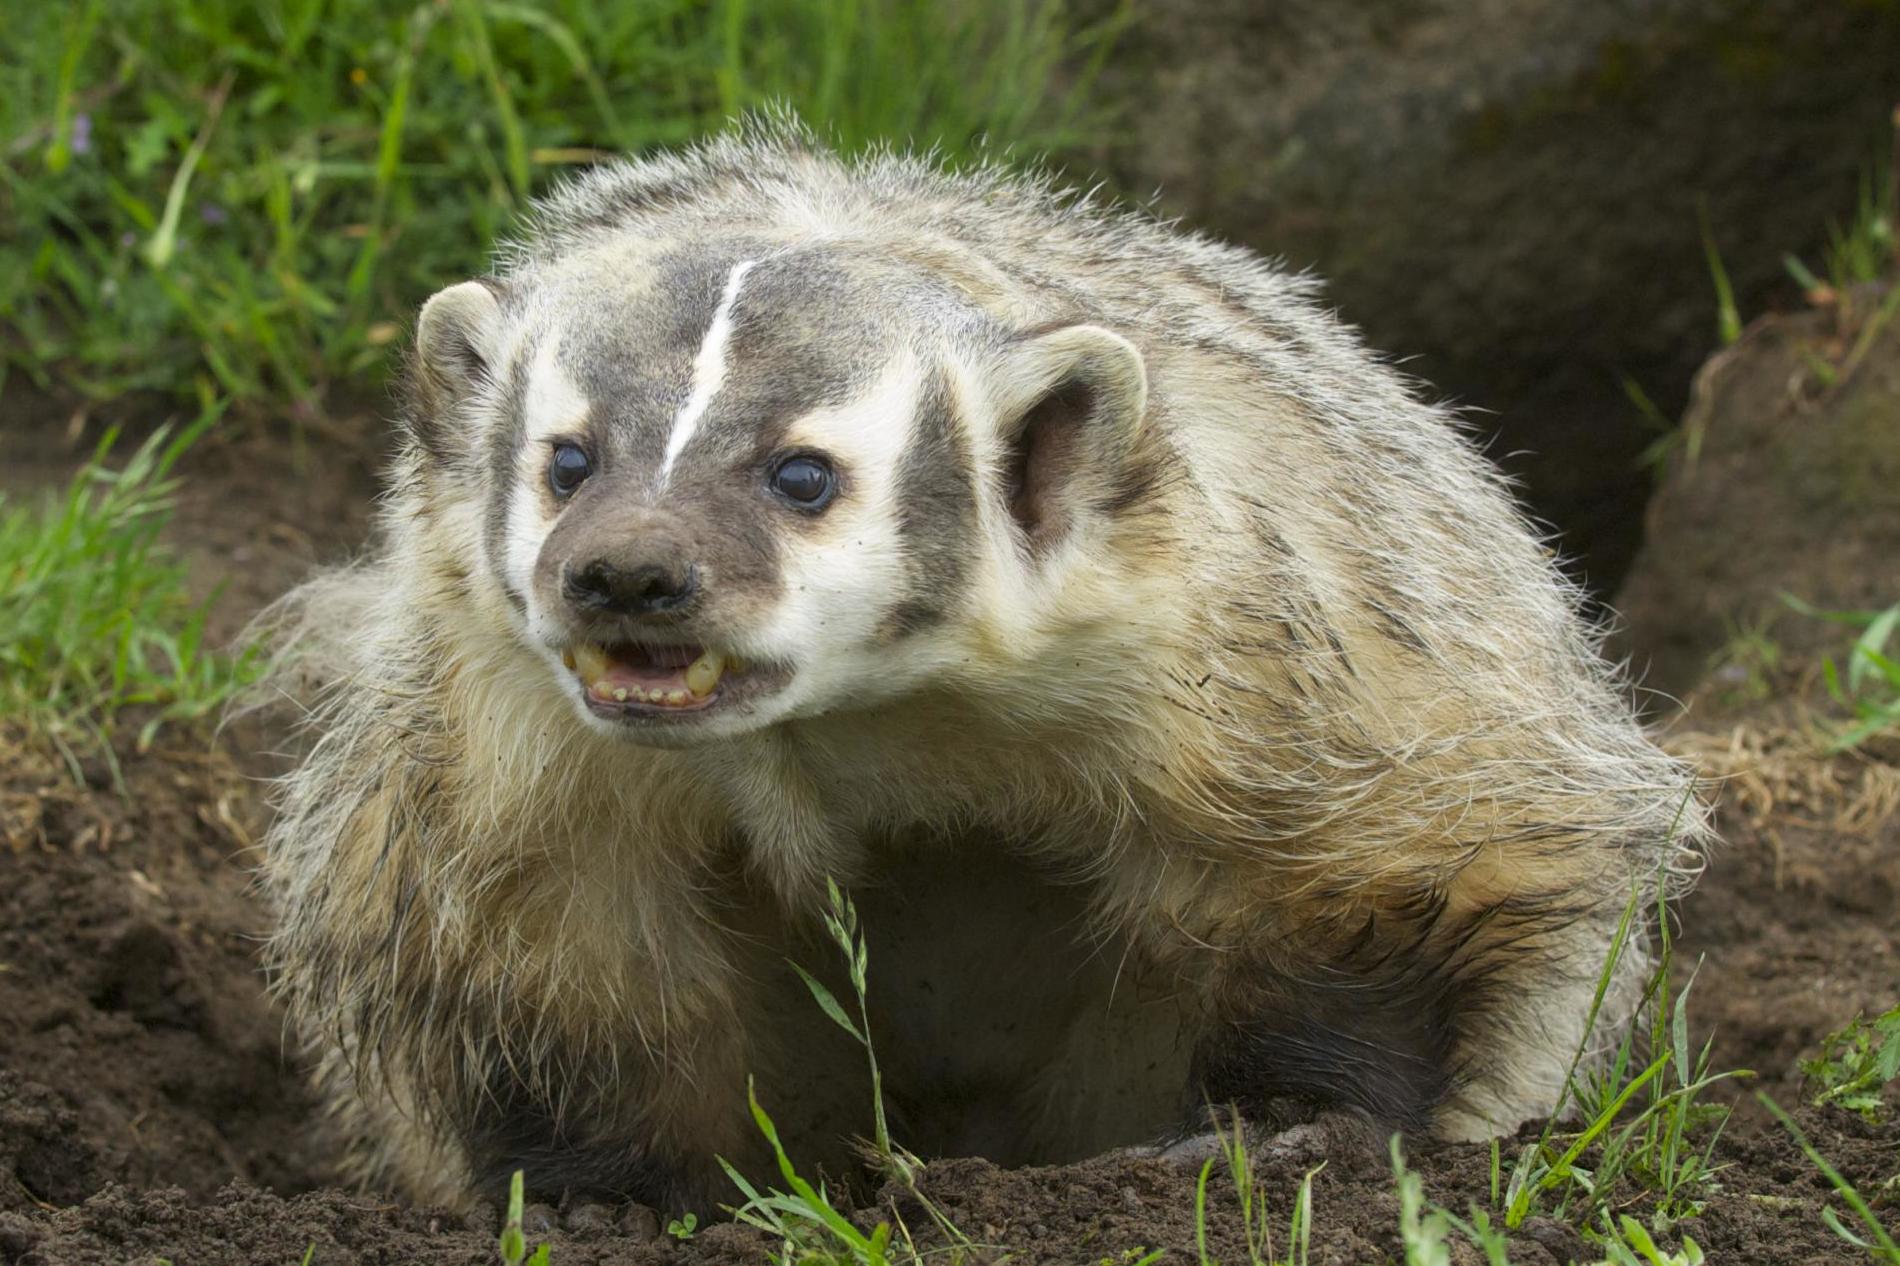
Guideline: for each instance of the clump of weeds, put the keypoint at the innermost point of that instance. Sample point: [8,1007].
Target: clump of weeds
[94,612]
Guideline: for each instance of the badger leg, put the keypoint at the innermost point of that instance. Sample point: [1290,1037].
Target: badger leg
[1433,1026]
[461,1142]
[1367,1037]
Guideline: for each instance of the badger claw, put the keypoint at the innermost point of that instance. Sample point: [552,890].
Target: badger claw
[1328,1133]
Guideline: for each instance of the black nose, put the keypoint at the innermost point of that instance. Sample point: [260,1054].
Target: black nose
[648,589]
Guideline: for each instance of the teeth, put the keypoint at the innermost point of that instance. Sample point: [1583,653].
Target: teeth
[701,676]
[590,661]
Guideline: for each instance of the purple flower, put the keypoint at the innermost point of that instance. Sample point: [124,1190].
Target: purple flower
[212,213]
[81,140]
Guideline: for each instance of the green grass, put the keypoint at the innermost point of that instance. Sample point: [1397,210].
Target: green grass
[1873,1238]
[263,192]
[513,1242]
[1647,1134]
[1865,249]
[810,1228]
[1855,1063]
[94,613]
[1256,1221]
[1869,688]
[1643,1142]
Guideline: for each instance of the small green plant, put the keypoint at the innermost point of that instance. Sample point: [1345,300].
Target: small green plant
[1877,1242]
[1670,438]
[841,921]
[1855,1063]
[1728,321]
[1870,688]
[1141,1255]
[513,1245]
[1631,1245]
[811,1230]
[1255,1219]
[1647,1136]
[1424,1230]
[1865,250]
[682,1228]
[94,616]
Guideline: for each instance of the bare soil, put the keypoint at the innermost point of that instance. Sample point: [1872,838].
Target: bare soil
[147,1112]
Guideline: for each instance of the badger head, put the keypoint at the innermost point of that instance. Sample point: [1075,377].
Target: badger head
[726,485]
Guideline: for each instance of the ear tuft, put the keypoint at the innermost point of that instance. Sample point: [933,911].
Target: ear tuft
[458,337]
[1071,402]
[458,341]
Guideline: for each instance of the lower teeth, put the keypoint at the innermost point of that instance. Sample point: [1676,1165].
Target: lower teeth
[591,663]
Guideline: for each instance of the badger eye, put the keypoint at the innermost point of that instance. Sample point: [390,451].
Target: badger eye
[806,481]
[567,468]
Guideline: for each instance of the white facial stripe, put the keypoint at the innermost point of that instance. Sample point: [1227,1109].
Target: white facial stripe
[709,370]
[552,404]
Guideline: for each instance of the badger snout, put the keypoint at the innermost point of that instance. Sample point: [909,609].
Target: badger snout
[657,588]
[625,570]
[645,606]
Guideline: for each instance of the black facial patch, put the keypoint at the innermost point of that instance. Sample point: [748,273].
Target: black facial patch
[936,512]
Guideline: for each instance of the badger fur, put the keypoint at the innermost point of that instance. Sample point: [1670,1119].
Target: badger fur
[1193,715]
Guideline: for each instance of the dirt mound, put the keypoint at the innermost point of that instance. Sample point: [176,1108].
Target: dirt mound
[1784,483]
[140,1073]
[139,1046]
[1797,922]
[146,1112]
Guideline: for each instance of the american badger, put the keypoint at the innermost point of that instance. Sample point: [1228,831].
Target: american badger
[1194,717]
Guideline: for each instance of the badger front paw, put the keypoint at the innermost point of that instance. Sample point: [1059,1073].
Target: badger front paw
[1298,1138]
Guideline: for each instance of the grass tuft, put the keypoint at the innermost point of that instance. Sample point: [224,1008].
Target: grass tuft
[1255,1218]
[1855,1064]
[1647,1138]
[1870,687]
[1876,1241]
[94,615]
[811,1230]
[1865,249]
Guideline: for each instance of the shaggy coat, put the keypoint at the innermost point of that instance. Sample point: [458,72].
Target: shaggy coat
[1193,714]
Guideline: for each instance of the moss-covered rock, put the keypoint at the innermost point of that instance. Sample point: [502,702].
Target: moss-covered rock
[1794,488]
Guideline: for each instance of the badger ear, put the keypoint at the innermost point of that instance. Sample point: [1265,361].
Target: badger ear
[1070,405]
[458,343]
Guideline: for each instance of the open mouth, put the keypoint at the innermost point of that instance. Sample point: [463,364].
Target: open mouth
[637,679]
